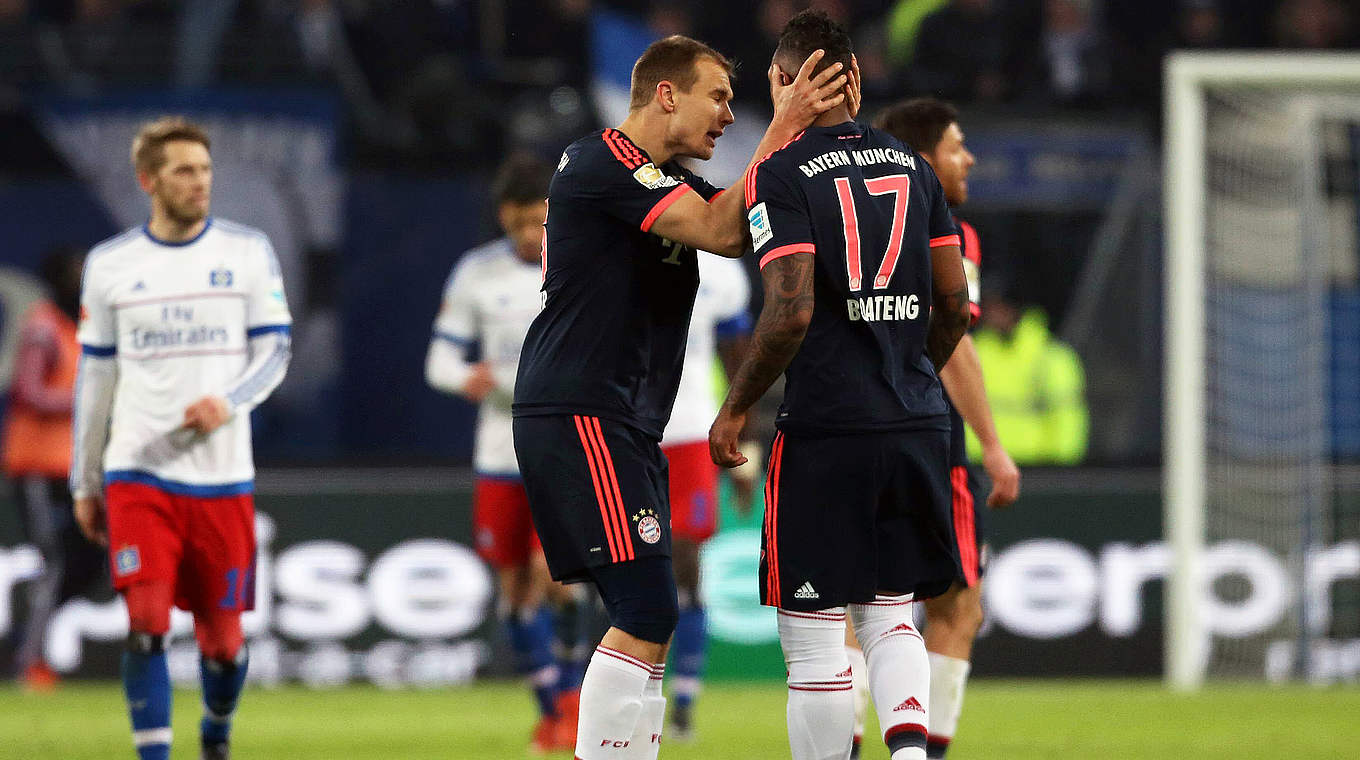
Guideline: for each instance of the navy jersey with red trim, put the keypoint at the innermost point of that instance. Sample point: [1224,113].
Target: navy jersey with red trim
[972,269]
[610,341]
[870,209]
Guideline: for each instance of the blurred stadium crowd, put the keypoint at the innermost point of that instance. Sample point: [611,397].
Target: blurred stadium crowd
[422,98]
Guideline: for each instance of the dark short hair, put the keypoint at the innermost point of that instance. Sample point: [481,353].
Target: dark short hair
[148,147]
[920,122]
[670,59]
[522,179]
[814,30]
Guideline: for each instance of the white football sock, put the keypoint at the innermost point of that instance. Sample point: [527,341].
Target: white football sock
[646,741]
[948,676]
[821,711]
[899,672]
[611,704]
[859,670]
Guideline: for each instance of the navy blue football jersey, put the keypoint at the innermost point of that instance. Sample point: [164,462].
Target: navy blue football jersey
[870,209]
[610,341]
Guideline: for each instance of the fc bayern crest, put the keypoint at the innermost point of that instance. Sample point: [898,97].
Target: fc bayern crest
[649,529]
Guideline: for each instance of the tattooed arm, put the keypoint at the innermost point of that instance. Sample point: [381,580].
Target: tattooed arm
[949,317]
[779,332]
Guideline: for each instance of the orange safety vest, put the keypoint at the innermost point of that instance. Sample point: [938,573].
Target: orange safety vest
[40,444]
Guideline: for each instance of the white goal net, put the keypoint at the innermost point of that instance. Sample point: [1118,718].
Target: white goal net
[1261,223]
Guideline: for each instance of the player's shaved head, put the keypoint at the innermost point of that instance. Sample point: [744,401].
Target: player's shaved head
[148,147]
[808,32]
[919,122]
[671,59]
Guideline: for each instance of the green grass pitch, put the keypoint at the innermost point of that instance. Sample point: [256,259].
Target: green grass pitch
[1016,720]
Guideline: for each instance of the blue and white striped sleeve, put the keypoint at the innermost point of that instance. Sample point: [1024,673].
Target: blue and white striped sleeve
[269,332]
[456,330]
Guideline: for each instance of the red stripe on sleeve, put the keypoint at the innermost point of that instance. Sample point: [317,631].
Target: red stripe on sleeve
[662,205]
[944,240]
[786,250]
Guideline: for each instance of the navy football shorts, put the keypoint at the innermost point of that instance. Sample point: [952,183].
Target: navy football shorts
[598,492]
[848,516]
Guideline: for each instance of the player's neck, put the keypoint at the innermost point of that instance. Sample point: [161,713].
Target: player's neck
[163,227]
[648,134]
[837,115]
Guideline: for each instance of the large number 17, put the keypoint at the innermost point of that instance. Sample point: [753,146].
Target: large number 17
[899,186]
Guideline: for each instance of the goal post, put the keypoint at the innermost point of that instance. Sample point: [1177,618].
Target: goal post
[1192,238]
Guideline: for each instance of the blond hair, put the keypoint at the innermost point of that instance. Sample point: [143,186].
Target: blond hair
[148,147]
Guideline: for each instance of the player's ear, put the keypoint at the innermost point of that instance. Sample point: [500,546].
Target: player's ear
[147,181]
[665,94]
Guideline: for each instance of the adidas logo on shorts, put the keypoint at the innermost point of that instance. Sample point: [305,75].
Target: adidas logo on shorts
[806,591]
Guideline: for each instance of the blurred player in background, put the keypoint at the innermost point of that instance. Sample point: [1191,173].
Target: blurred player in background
[721,322]
[602,362]
[489,301]
[37,458]
[857,496]
[184,330]
[931,128]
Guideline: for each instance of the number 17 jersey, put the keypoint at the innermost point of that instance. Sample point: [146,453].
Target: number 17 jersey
[870,210]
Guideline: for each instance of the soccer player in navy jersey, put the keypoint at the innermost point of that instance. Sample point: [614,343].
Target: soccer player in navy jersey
[931,127]
[856,244]
[600,365]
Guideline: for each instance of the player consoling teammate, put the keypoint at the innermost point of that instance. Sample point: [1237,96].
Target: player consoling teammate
[184,329]
[600,365]
[865,299]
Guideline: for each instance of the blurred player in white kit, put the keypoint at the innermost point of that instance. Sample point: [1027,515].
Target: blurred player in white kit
[721,325]
[489,301]
[184,329]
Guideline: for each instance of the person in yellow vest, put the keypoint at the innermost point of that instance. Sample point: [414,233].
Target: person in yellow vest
[1036,385]
[37,457]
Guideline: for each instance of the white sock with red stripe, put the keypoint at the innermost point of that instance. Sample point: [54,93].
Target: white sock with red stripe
[859,670]
[646,741]
[948,676]
[899,672]
[611,704]
[821,712]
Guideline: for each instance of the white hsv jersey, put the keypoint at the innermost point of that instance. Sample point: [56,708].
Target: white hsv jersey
[721,308]
[490,300]
[178,319]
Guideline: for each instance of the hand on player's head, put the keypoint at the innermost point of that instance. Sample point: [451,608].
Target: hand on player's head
[853,91]
[806,96]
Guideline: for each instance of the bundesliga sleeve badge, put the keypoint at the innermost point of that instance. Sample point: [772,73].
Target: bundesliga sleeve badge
[759,220]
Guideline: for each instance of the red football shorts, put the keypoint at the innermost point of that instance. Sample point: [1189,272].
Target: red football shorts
[501,522]
[694,491]
[204,547]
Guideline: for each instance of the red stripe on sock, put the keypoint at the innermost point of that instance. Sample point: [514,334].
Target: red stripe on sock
[599,491]
[624,656]
[904,728]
